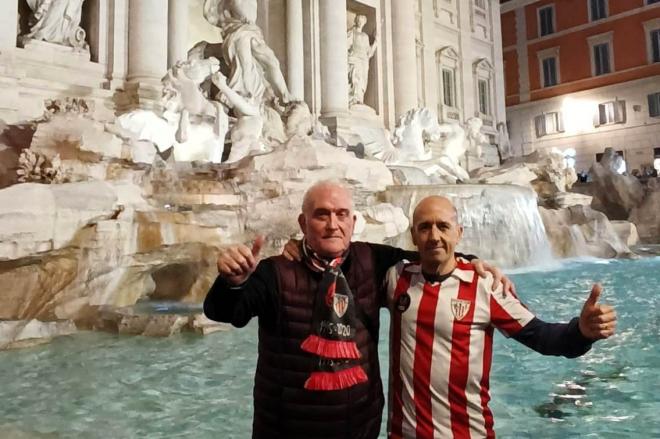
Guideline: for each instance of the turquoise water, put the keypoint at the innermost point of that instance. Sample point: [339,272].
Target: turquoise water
[103,386]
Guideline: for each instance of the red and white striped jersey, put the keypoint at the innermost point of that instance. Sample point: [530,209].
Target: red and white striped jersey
[441,341]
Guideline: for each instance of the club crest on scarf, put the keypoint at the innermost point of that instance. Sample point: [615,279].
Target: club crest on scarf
[333,328]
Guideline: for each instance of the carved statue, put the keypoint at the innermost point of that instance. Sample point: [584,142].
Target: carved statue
[359,53]
[413,132]
[57,21]
[503,141]
[475,138]
[246,132]
[183,95]
[253,64]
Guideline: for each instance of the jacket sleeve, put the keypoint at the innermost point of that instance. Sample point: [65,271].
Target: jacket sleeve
[563,339]
[238,304]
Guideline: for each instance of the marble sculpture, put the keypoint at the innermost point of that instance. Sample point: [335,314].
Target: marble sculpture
[56,21]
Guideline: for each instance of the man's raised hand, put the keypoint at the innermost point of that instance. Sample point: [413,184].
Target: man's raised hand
[597,321]
[237,263]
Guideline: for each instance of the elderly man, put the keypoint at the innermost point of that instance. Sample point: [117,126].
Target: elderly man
[317,372]
[443,316]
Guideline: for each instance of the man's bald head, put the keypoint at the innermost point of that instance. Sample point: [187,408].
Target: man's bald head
[435,201]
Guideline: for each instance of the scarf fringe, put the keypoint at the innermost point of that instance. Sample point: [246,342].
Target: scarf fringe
[336,380]
[330,348]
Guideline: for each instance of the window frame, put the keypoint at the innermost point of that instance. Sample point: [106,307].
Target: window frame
[618,108]
[598,40]
[553,19]
[591,10]
[543,55]
[650,27]
[483,70]
[447,58]
[557,119]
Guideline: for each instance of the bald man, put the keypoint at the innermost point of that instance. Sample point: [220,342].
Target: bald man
[318,374]
[443,316]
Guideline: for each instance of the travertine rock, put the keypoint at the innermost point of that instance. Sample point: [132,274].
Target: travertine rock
[646,217]
[614,194]
[581,231]
[25,333]
[627,232]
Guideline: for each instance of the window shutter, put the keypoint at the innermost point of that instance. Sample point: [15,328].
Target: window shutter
[654,104]
[602,114]
[540,125]
[619,111]
[559,122]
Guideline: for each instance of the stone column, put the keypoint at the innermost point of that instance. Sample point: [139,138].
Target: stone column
[147,41]
[295,50]
[118,48]
[8,24]
[405,55]
[334,58]
[9,99]
[177,49]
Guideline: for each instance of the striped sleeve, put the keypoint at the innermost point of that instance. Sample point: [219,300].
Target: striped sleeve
[391,280]
[507,313]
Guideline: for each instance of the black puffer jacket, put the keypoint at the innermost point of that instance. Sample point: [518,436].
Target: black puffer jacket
[281,294]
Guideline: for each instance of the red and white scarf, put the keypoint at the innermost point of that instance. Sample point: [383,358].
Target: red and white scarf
[333,327]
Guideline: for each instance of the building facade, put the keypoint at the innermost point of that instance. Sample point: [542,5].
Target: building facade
[444,54]
[583,74]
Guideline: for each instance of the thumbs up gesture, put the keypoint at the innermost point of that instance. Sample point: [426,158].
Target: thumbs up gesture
[237,263]
[597,321]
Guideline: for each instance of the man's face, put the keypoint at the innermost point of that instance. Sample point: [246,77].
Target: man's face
[328,221]
[435,231]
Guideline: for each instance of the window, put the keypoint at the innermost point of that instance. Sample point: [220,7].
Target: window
[656,153]
[484,105]
[652,32]
[600,48]
[611,112]
[448,80]
[601,59]
[448,88]
[546,20]
[548,123]
[654,104]
[484,77]
[597,9]
[655,45]
[549,72]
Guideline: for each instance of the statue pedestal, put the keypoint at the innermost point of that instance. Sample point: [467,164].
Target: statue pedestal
[73,54]
[489,158]
[361,125]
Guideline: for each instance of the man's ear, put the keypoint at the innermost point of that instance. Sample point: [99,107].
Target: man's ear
[412,235]
[301,222]
[460,232]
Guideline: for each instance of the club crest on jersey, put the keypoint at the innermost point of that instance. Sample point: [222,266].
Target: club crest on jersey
[460,308]
[340,304]
[403,302]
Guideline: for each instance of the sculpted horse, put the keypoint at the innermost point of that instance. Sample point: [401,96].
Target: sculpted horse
[414,131]
[183,95]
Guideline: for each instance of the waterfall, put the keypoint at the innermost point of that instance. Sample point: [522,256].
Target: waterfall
[502,224]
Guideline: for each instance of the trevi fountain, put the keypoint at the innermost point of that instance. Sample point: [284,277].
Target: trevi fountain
[116,196]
